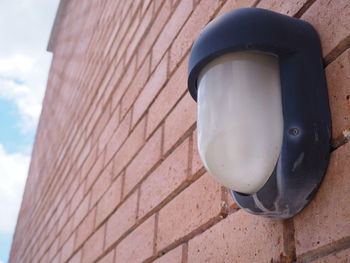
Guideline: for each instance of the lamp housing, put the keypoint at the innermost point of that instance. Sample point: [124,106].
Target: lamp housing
[264,123]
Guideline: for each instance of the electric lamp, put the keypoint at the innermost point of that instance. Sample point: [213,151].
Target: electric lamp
[263,116]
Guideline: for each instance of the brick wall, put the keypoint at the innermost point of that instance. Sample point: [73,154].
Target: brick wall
[115,175]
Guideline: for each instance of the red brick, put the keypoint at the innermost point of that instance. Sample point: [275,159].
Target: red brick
[73,186]
[158,23]
[118,137]
[240,237]
[338,81]
[138,245]
[234,4]
[56,259]
[126,22]
[109,258]
[94,173]
[85,229]
[78,196]
[53,249]
[93,113]
[66,232]
[167,98]
[84,153]
[143,162]
[67,249]
[111,38]
[102,183]
[101,123]
[131,146]
[76,258]
[90,161]
[185,114]
[198,19]
[45,258]
[145,5]
[63,218]
[108,131]
[154,84]
[173,256]
[326,218]
[125,43]
[135,5]
[112,91]
[94,246]
[197,205]
[139,34]
[104,85]
[109,200]
[285,7]
[170,30]
[135,87]
[331,20]
[127,77]
[170,175]
[341,257]
[121,220]
[81,211]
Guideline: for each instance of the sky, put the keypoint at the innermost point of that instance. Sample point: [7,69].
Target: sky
[25,27]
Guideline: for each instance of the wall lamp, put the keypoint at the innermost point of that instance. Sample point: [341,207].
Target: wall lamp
[264,123]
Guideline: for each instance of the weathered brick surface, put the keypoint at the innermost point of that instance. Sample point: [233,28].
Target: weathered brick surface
[283,6]
[131,146]
[138,245]
[326,218]
[196,206]
[167,98]
[109,200]
[135,87]
[173,256]
[93,247]
[115,174]
[103,181]
[184,113]
[331,20]
[81,211]
[67,248]
[109,258]
[338,79]
[121,220]
[151,89]
[255,239]
[76,258]
[176,21]
[108,131]
[143,162]
[94,173]
[118,137]
[85,228]
[170,174]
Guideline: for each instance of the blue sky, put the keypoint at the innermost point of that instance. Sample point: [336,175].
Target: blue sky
[25,27]
[11,137]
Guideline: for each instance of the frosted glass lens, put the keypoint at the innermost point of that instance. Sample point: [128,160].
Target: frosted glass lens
[240,121]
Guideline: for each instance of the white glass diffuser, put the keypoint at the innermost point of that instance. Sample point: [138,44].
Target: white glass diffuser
[240,121]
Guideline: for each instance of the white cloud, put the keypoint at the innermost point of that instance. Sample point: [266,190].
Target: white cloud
[29,105]
[13,173]
[25,26]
